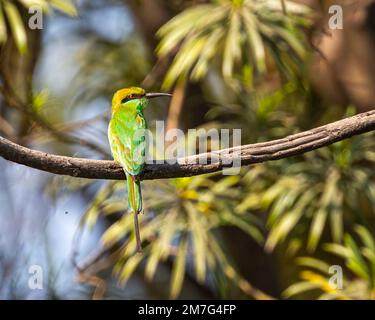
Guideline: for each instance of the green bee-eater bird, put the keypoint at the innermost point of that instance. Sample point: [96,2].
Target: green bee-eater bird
[126,134]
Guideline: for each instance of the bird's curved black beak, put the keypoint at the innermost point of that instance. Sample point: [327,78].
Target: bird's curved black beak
[157,94]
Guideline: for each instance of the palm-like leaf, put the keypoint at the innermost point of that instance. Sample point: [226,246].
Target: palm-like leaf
[241,32]
[359,260]
[321,193]
[181,217]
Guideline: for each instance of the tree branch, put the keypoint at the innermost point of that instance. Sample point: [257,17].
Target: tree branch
[253,153]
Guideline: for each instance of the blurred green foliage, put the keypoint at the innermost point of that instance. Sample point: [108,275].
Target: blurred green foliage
[244,34]
[182,215]
[10,16]
[357,283]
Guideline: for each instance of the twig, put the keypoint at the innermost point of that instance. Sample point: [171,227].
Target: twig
[249,154]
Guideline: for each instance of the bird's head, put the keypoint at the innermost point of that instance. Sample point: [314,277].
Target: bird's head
[126,95]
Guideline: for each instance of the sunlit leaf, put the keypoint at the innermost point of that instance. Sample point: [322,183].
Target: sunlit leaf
[232,52]
[316,230]
[337,249]
[199,240]
[282,228]
[43,4]
[117,231]
[314,263]
[355,261]
[255,41]
[129,268]
[65,6]
[178,272]
[16,26]
[160,248]
[366,237]
[298,288]
[3,28]
[329,194]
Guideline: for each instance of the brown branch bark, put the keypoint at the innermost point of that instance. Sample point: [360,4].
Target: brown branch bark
[253,153]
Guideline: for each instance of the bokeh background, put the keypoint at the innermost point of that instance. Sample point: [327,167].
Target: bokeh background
[270,68]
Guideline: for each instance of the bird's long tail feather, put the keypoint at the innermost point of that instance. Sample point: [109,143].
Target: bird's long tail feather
[135,204]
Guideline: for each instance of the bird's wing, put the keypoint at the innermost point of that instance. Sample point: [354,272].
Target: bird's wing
[127,146]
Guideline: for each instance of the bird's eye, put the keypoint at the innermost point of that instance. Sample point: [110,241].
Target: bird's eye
[127,98]
[130,97]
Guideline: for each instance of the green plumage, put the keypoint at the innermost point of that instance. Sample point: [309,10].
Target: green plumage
[126,134]
[127,140]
